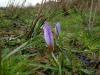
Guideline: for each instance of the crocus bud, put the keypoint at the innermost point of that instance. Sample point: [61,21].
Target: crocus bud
[48,36]
[57,28]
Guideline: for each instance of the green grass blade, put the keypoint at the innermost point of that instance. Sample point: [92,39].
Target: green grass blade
[15,50]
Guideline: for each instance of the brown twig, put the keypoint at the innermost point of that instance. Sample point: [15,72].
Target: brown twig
[29,34]
[39,15]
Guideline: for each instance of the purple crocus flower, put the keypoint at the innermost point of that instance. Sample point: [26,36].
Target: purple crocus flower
[48,36]
[57,28]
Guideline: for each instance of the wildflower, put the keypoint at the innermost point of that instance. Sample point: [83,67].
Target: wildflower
[48,36]
[57,28]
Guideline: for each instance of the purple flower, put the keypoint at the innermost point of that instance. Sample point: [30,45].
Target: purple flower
[57,28]
[48,36]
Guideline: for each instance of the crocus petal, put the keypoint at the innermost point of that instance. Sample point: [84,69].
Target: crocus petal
[57,28]
[48,36]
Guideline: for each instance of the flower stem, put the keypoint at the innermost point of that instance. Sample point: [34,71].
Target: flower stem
[57,62]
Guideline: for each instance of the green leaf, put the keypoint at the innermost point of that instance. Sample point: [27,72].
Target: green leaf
[15,50]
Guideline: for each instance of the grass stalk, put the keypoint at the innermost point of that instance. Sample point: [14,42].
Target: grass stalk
[90,17]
